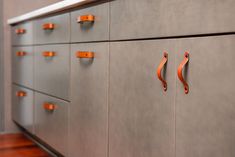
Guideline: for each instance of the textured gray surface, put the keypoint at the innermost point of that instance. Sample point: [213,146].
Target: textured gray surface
[132,19]
[88,116]
[205,118]
[23,108]
[61,33]
[141,114]
[97,31]
[52,127]
[52,74]
[23,66]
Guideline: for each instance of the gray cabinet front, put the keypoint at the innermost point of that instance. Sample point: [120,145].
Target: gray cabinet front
[55,29]
[51,121]
[22,34]
[132,19]
[52,70]
[205,117]
[23,107]
[141,113]
[22,69]
[95,26]
[88,118]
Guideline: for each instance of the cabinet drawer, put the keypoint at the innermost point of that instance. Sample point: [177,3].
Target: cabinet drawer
[90,24]
[23,107]
[159,18]
[55,29]
[51,121]
[22,70]
[89,109]
[52,70]
[22,34]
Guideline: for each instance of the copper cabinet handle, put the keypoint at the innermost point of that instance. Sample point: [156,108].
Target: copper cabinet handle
[21,53]
[20,31]
[48,54]
[48,26]
[180,70]
[85,54]
[49,106]
[86,18]
[21,94]
[159,70]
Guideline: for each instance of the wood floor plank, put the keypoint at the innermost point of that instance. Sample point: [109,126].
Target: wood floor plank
[17,145]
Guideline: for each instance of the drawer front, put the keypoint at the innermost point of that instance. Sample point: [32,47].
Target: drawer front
[159,18]
[89,110]
[51,121]
[23,107]
[22,69]
[90,24]
[22,34]
[54,29]
[52,73]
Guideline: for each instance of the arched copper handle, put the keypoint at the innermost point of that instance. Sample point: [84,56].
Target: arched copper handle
[48,54]
[49,106]
[48,26]
[21,94]
[159,70]
[180,70]
[20,53]
[20,31]
[85,54]
[86,18]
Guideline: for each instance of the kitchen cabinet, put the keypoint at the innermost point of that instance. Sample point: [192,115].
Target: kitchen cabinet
[146,121]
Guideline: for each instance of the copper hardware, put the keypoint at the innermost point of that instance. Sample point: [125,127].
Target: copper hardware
[159,70]
[86,18]
[20,94]
[180,75]
[49,106]
[85,54]
[20,31]
[20,53]
[48,26]
[48,54]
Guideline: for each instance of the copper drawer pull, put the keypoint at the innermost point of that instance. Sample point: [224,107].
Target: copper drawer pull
[86,18]
[48,26]
[21,53]
[20,31]
[21,94]
[159,70]
[85,54]
[49,106]
[48,54]
[180,75]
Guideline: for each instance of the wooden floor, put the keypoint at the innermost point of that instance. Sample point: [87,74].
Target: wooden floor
[17,145]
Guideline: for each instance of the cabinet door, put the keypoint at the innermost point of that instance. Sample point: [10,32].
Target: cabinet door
[88,119]
[141,114]
[205,117]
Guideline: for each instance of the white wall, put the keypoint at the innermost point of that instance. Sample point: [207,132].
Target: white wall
[12,8]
